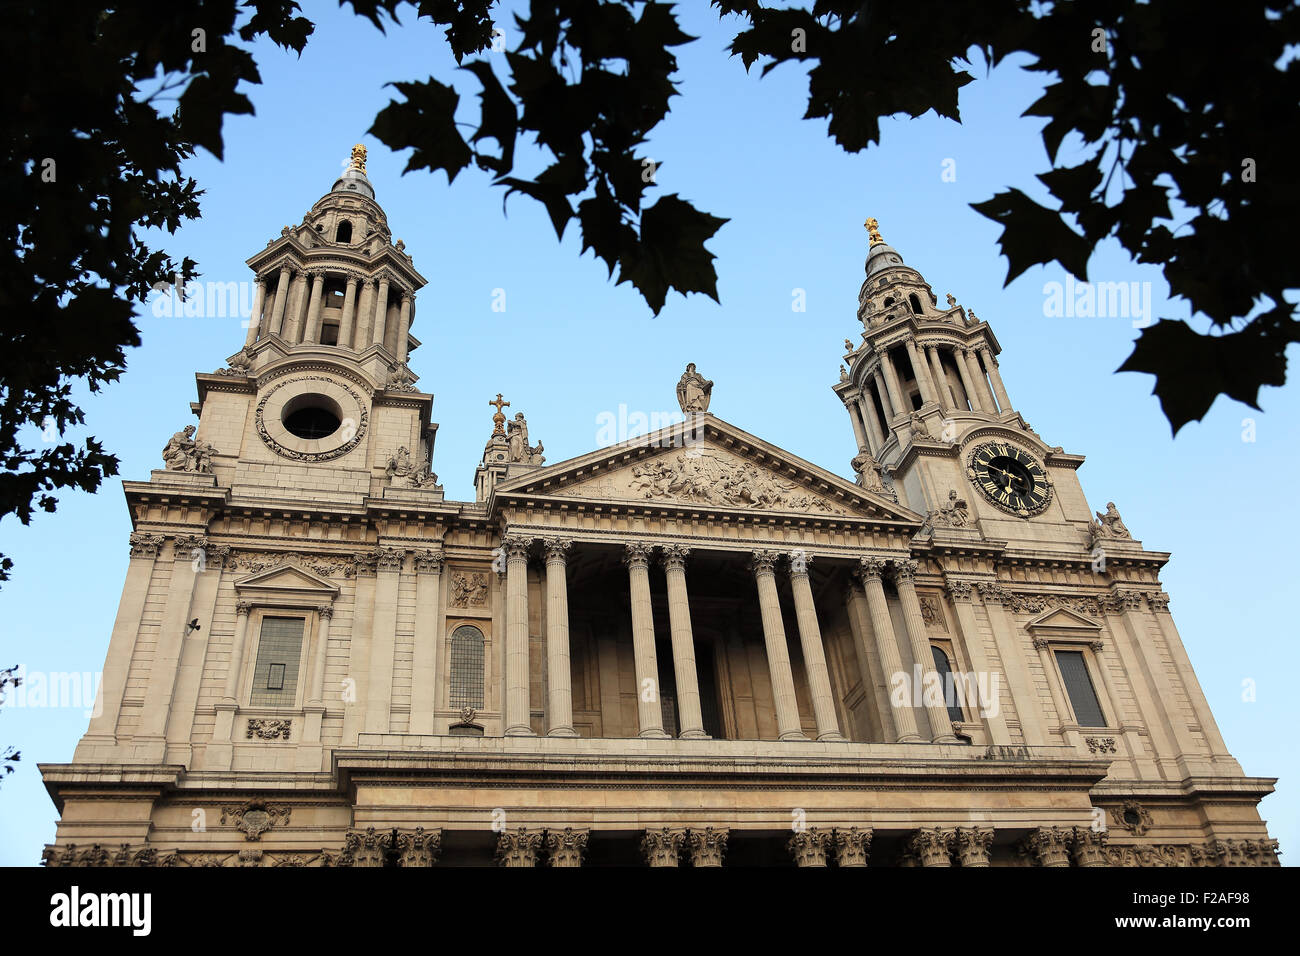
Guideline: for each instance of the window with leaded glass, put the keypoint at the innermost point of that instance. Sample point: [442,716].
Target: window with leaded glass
[944,671]
[466,667]
[1078,685]
[279,652]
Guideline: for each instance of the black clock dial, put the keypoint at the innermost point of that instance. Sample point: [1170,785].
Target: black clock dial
[1010,478]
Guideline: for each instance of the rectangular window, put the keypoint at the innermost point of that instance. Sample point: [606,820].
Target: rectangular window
[279,652]
[1078,684]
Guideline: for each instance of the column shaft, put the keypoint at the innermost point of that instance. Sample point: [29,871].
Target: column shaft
[312,331]
[967,383]
[349,315]
[995,376]
[814,653]
[255,317]
[517,716]
[850,406]
[892,385]
[921,373]
[778,653]
[559,705]
[403,327]
[281,300]
[381,312]
[940,724]
[868,409]
[887,646]
[649,710]
[679,623]
[946,397]
[316,694]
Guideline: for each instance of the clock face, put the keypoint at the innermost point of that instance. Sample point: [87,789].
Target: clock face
[1010,478]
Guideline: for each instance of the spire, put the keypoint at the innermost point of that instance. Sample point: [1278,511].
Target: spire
[881,255]
[354,178]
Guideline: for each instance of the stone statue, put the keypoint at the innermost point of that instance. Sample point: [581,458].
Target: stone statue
[401,379]
[919,427]
[955,514]
[1110,525]
[400,468]
[520,450]
[403,472]
[183,453]
[867,470]
[201,456]
[694,391]
[952,301]
[177,450]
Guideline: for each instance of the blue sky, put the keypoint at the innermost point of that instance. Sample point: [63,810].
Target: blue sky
[571,346]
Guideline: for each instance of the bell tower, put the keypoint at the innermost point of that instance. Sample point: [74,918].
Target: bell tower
[320,400]
[932,419]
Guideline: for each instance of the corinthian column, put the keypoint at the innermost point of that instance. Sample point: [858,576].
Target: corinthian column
[892,384]
[255,317]
[349,314]
[814,653]
[922,656]
[649,711]
[920,373]
[381,311]
[312,332]
[517,722]
[991,364]
[281,297]
[679,623]
[882,627]
[403,326]
[778,653]
[559,708]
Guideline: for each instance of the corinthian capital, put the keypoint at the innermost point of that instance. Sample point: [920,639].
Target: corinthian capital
[637,554]
[674,557]
[518,847]
[565,847]
[872,567]
[852,846]
[808,847]
[557,549]
[707,846]
[763,562]
[905,570]
[516,547]
[972,845]
[661,847]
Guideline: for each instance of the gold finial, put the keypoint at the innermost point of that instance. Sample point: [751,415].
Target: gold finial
[498,418]
[358,158]
[873,230]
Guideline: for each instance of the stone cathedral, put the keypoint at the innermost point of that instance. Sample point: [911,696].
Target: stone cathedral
[692,648]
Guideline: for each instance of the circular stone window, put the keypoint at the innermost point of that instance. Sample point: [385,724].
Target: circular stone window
[1132,817]
[311,416]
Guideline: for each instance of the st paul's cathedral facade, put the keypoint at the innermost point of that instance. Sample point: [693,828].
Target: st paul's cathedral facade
[690,649]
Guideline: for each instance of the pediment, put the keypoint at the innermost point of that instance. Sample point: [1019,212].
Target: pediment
[287,578]
[705,465]
[1062,619]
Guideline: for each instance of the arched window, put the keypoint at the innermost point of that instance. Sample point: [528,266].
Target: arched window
[344,232]
[915,302]
[466,667]
[889,300]
[951,695]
